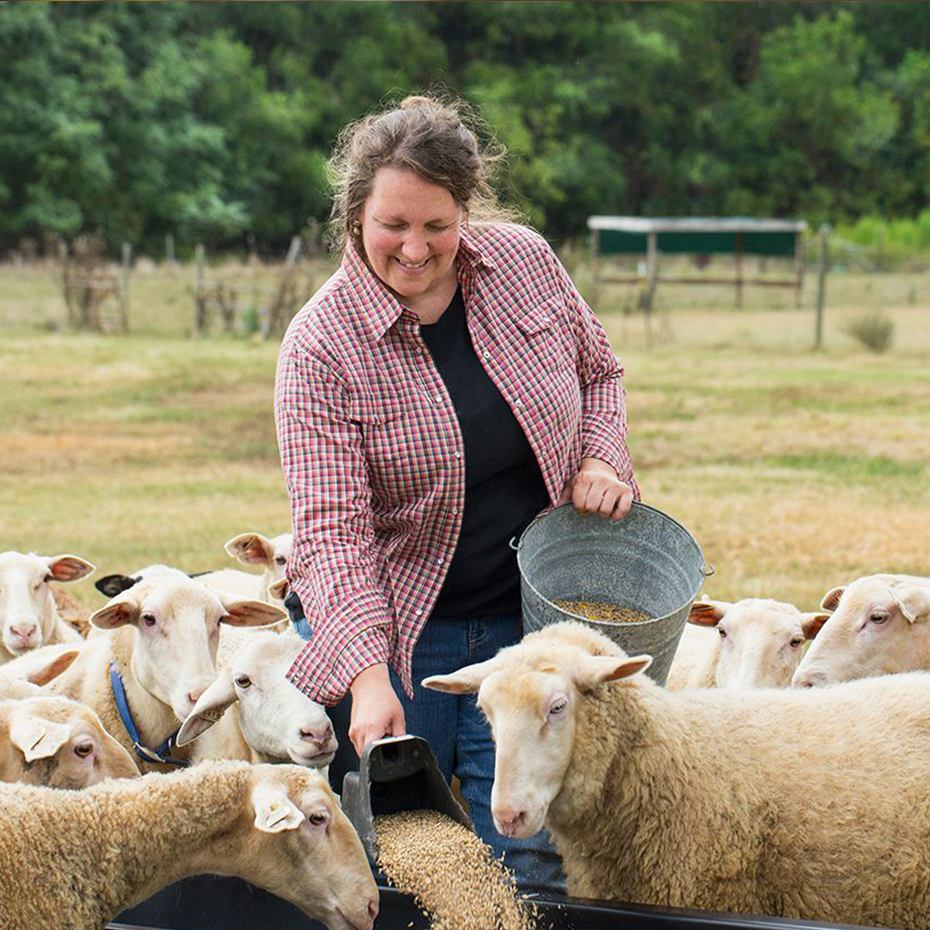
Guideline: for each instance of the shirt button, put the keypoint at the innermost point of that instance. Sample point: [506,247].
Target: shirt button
[420,612]
[455,511]
[486,354]
[518,404]
[458,454]
[440,560]
[438,398]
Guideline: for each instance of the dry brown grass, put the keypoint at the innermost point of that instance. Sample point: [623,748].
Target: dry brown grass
[796,470]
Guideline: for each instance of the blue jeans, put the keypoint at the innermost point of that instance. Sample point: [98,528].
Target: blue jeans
[459,736]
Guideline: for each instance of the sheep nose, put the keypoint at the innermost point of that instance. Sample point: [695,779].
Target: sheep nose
[24,631]
[372,910]
[318,736]
[508,820]
[195,695]
[811,680]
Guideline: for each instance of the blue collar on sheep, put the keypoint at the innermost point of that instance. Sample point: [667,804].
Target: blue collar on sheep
[122,705]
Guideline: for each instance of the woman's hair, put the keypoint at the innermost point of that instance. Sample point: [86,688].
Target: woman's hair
[423,135]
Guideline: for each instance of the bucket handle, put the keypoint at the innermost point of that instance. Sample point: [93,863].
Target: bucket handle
[514,544]
[707,570]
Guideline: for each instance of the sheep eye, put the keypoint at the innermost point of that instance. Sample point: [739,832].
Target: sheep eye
[148,619]
[83,750]
[558,707]
[878,617]
[722,632]
[281,560]
[316,819]
[796,642]
[243,681]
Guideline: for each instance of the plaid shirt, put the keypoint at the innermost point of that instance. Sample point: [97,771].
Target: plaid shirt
[372,451]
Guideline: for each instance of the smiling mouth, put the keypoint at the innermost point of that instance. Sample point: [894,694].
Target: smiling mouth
[407,266]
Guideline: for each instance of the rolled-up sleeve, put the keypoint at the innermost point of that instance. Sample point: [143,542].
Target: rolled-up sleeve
[603,398]
[339,583]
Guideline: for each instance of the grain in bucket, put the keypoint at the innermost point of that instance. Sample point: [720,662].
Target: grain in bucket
[646,562]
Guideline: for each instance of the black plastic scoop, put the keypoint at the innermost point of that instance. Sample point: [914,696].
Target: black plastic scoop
[397,773]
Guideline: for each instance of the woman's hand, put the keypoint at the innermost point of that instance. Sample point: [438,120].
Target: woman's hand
[597,489]
[376,711]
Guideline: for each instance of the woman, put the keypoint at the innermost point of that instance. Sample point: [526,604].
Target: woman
[441,389]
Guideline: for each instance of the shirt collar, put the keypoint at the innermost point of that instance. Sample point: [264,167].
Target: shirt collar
[378,308]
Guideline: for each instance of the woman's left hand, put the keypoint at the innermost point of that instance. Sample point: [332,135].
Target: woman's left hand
[597,489]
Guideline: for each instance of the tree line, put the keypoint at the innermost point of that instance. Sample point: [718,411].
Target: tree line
[213,121]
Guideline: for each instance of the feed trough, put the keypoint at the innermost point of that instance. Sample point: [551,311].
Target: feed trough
[212,902]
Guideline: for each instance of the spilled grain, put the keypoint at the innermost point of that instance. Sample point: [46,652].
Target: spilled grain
[450,872]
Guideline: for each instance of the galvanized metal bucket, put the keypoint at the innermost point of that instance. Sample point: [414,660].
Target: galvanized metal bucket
[646,561]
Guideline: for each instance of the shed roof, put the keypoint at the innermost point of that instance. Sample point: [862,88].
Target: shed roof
[646,224]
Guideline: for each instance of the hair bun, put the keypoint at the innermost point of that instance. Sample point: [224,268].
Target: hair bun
[409,103]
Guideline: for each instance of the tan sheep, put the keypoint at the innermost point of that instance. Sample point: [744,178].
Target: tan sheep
[77,859]
[59,743]
[807,804]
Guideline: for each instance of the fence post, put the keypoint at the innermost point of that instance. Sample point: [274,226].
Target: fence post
[822,270]
[169,248]
[124,285]
[652,280]
[198,290]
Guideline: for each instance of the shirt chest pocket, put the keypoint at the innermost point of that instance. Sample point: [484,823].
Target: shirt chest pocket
[547,337]
[381,421]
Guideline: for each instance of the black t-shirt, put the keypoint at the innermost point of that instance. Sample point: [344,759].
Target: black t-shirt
[504,488]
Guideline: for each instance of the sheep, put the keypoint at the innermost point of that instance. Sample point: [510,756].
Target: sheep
[78,859]
[24,677]
[58,742]
[264,717]
[754,643]
[28,615]
[253,549]
[880,625]
[806,804]
[163,635]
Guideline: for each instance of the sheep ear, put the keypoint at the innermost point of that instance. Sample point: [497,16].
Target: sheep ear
[279,589]
[812,622]
[41,669]
[210,706]
[250,549]
[246,611]
[913,602]
[111,585]
[122,609]
[708,613]
[36,738]
[595,670]
[832,598]
[274,810]
[68,568]
[466,680]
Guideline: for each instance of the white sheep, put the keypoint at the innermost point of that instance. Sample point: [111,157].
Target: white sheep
[78,859]
[28,615]
[253,549]
[753,643]
[260,715]
[807,804]
[58,742]
[163,637]
[880,625]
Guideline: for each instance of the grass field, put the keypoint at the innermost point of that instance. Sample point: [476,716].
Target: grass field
[796,470]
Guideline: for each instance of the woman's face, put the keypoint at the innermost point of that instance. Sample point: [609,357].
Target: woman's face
[410,231]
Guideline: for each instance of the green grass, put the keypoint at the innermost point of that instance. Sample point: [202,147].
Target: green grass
[796,470]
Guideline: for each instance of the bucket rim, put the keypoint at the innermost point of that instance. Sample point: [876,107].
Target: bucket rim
[704,570]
